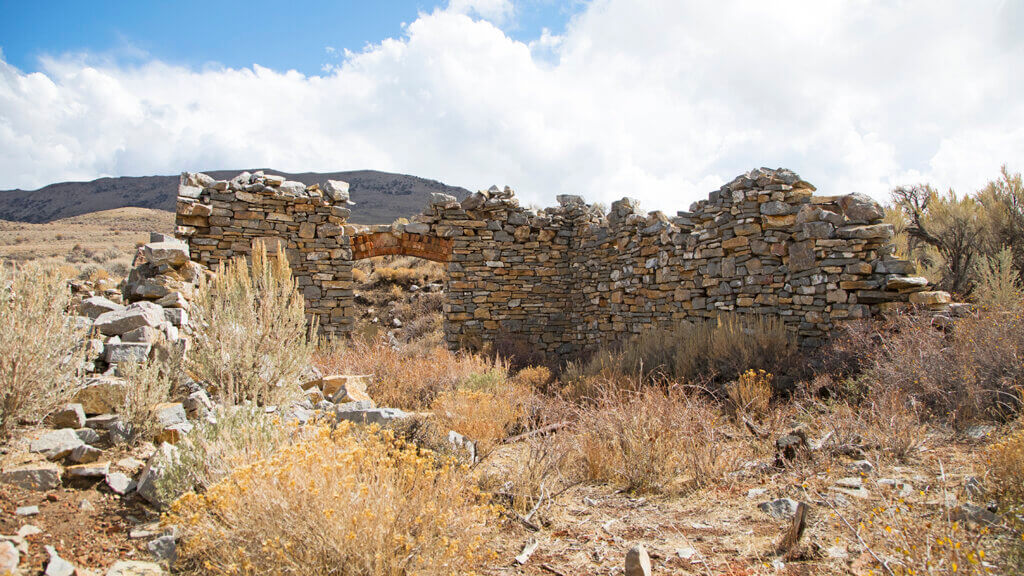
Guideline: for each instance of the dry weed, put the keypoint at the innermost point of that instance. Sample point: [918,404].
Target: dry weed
[340,501]
[408,379]
[751,393]
[149,384]
[40,348]
[654,440]
[251,339]
[484,415]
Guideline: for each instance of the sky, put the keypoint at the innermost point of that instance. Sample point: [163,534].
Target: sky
[660,100]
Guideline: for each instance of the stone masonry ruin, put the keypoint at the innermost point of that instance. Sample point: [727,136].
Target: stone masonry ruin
[570,278]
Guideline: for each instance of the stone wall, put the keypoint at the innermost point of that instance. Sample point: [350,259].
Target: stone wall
[569,278]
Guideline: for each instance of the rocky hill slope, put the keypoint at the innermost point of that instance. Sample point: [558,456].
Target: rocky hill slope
[380,197]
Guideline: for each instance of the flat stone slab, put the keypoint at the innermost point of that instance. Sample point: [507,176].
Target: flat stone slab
[42,476]
[117,322]
[56,444]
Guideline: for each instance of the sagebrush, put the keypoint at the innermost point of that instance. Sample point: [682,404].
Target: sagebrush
[251,340]
[41,348]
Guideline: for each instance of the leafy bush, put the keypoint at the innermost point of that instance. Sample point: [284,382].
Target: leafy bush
[251,340]
[40,348]
[237,435]
[339,501]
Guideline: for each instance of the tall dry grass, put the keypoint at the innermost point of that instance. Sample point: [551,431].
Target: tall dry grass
[251,341]
[717,349]
[149,384]
[408,378]
[341,501]
[40,346]
[655,440]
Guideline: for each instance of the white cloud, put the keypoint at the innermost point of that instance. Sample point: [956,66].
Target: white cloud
[662,101]
[497,11]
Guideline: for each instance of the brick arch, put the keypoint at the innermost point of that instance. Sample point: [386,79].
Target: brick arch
[372,244]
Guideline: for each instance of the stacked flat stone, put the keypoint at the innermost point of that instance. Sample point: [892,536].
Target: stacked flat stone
[222,219]
[568,278]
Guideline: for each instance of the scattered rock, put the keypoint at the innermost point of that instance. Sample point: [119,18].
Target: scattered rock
[85,454]
[146,487]
[89,471]
[57,566]
[862,466]
[171,253]
[70,416]
[95,306]
[28,530]
[9,558]
[638,563]
[117,322]
[86,506]
[127,352]
[56,444]
[164,548]
[27,511]
[119,483]
[88,435]
[780,509]
[756,493]
[42,476]
[101,396]
[979,432]
[975,516]
[379,416]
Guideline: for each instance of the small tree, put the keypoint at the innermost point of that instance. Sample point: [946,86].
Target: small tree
[41,348]
[251,338]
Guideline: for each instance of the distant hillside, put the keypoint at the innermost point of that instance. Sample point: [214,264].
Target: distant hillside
[380,197]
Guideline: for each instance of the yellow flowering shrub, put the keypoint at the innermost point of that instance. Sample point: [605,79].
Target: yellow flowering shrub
[485,416]
[341,501]
[751,393]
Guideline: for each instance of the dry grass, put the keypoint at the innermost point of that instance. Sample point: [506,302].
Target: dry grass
[967,375]
[149,384]
[719,349]
[339,501]
[251,340]
[105,240]
[485,416]
[751,393]
[408,379]
[654,440]
[40,348]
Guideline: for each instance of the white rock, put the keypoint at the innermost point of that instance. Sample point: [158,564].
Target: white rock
[56,444]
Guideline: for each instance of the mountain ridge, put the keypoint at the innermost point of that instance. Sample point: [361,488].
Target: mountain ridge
[380,197]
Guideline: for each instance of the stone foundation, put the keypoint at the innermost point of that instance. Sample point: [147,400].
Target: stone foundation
[569,278]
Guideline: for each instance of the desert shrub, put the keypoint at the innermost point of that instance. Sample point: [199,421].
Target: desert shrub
[93,273]
[251,341]
[535,378]
[359,276]
[751,393]
[720,348]
[1005,460]
[913,540]
[967,374]
[485,415]
[40,348]
[997,283]
[654,440]
[542,467]
[149,384]
[408,379]
[339,501]
[237,435]
[385,276]
[892,423]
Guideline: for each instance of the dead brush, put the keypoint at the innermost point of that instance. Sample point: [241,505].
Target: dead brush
[410,379]
[654,440]
[542,467]
[750,393]
[485,416]
[149,385]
